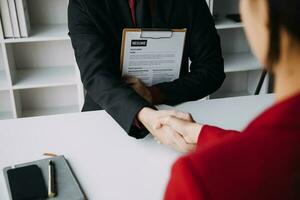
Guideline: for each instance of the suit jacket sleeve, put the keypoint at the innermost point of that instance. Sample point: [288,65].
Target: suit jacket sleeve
[100,70]
[207,66]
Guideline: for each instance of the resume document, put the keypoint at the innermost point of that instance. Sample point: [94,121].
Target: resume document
[152,56]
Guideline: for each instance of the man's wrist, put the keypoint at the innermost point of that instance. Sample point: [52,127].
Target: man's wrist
[143,115]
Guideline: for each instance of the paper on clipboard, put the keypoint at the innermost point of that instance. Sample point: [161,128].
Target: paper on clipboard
[153,56]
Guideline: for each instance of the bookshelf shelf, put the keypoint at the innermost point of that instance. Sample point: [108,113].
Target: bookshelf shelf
[50,111]
[5,105]
[41,33]
[46,101]
[45,77]
[240,84]
[6,115]
[227,24]
[238,62]
[3,81]
[227,94]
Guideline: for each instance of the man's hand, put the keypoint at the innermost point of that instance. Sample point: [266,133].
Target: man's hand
[164,134]
[139,87]
[188,129]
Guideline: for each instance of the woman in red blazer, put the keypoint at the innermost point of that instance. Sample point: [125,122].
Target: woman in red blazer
[262,162]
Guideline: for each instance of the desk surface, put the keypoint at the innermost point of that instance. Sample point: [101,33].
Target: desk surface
[108,163]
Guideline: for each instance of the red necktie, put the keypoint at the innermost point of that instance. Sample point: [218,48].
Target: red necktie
[132,9]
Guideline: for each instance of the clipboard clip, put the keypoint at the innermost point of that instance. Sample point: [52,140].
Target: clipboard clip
[150,33]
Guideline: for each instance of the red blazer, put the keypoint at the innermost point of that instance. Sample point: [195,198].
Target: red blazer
[262,162]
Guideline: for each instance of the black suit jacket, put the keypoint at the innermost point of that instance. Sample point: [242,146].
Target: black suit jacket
[95,28]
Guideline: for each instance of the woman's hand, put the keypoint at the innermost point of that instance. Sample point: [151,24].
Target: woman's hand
[139,87]
[188,129]
[164,134]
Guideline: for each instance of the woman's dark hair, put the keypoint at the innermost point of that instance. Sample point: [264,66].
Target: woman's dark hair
[283,14]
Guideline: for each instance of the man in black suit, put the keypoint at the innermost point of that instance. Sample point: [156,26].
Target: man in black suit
[96,32]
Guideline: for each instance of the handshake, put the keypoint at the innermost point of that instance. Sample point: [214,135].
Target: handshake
[177,130]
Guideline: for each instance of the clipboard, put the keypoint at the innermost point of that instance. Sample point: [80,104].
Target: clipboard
[152,55]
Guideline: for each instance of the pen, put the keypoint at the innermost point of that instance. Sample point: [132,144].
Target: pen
[51,180]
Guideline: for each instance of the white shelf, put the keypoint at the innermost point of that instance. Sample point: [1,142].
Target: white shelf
[50,111]
[5,105]
[42,67]
[45,77]
[6,115]
[226,23]
[3,81]
[227,94]
[53,32]
[237,62]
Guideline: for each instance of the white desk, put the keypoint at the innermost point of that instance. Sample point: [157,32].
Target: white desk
[109,164]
